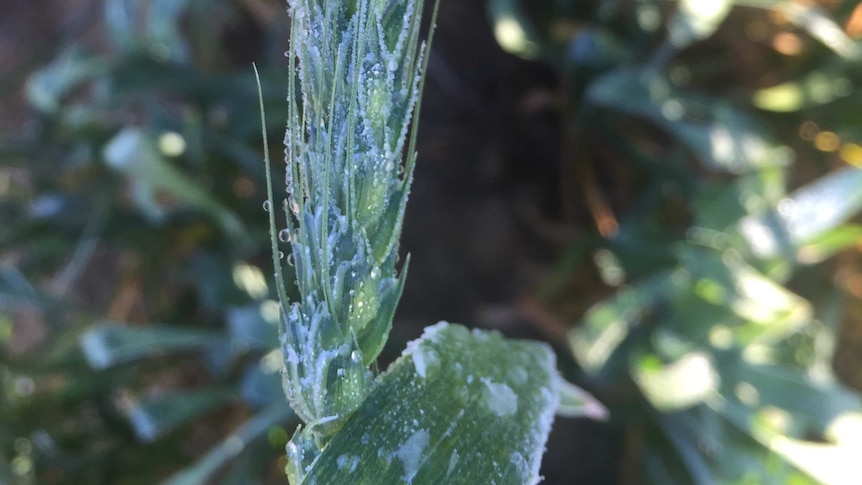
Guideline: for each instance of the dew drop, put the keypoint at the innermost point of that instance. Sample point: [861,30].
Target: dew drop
[284,235]
[266,205]
[375,273]
[280,255]
[291,260]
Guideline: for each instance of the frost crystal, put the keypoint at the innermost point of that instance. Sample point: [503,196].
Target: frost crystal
[500,398]
[411,452]
[350,105]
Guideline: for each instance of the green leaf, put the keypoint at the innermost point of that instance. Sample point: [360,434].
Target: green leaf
[696,20]
[720,135]
[154,417]
[829,243]
[830,463]
[120,23]
[575,402]
[110,344]
[815,89]
[609,323]
[769,311]
[817,22]
[201,472]
[682,384]
[458,407]
[136,155]
[808,214]
[47,87]
[721,205]
[164,29]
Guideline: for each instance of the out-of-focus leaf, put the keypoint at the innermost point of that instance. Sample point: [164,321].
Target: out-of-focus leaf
[513,29]
[817,22]
[829,243]
[110,344]
[770,311]
[458,407]
[575,403]
[678,385]
[261,384]
[695,466]
[721,136]
[815,89]
[812,405]
[134,154]
[154,417]
[807,214]
[698,446]
[201,472]
[607,324]
[722,207]
[827,462]
[248,326]
[163,32]
[696,20]
[596,48]
[47,87]
[119,19]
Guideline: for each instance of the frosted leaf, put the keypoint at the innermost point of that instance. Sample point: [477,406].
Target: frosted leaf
[451,413]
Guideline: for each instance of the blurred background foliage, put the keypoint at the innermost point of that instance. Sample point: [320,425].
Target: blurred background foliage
[667,191]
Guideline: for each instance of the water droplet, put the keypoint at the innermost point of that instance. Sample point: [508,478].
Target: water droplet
[375,273]
[266,205]
[280,255]
[291,261]
[284,235]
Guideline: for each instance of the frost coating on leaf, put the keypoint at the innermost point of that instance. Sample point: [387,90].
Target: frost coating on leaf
[453,461]
[463,441]
[424,357]
[411,453]
[500,398]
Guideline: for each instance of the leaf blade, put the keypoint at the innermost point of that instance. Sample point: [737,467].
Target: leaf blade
[477,429]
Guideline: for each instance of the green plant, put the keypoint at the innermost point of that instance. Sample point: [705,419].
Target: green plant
[139,157]
[457,407]
[718,336]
